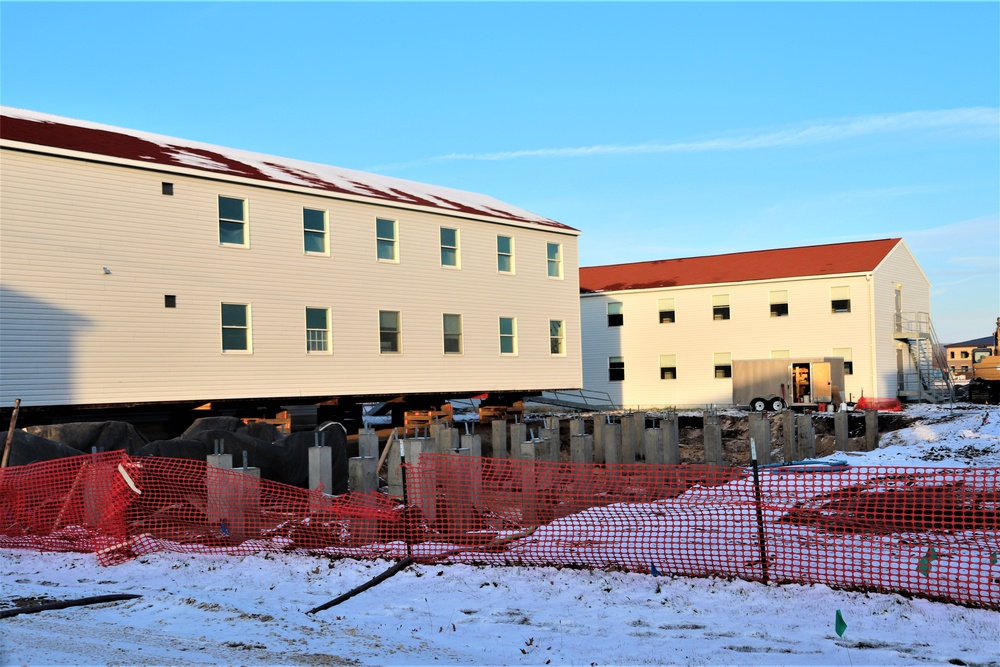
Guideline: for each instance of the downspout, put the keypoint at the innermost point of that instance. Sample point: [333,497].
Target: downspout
[873,364]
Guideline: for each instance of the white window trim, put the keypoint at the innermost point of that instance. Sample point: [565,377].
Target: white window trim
[394,239]
[249,328]
[513,335]
[513,265]
[558,260]
[327,332]
[245,222]
[461,335]
[399,331]
[561,337]
[326,232]
[457,247]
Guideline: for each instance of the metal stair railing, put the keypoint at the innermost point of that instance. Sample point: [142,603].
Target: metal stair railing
[932,379]
[581,399]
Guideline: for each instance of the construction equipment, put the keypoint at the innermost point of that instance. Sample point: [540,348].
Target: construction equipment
[985,384]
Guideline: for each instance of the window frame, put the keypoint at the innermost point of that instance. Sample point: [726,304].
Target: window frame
[839,304]
[508,255]
[721,309]
[512,336]
[456,248]
[308,233]
[452,336]
[386,241]
[327,339]
[557,340]
[246,328]
[556,261]
[723,370]
[397,333]
[847,354]
[616,369]
[668,365]
[778,300]
[616,319]
[244,223]
[667,310]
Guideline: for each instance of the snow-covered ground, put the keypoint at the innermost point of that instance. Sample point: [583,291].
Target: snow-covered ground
[251,610]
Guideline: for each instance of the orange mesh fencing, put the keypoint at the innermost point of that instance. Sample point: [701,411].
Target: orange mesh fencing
[932,532]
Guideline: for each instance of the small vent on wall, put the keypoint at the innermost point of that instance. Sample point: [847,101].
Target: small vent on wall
[168,188]
[169,301]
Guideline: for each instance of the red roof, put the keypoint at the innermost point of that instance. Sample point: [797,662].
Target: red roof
[819,260]
[65,133]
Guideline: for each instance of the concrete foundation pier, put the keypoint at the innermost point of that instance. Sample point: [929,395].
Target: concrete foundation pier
[760,431]
[612,436]
[871,430]
[671,439]
[806,436]
[581,448]
[653,446]
[840,432]
[499,438]
[712,432]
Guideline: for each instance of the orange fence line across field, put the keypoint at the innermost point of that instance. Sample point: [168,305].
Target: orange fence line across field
[931,532]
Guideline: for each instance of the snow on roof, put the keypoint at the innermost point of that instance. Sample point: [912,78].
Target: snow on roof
[837,258]
[65,133]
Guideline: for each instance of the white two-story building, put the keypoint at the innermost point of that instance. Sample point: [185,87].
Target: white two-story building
[144,269]
[666,333]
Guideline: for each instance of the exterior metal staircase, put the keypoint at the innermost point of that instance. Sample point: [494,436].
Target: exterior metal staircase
[583,399]
[929,378]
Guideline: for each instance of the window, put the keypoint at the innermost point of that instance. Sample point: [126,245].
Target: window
[449,247]
[780,354]
[555,260]
[508,335]
[951,355]
[666,311]
[964,354]
[389,332]
[452,327]
[723,364]
[169,300]
[720,307]
[385,233]
[847,355]
[779,303]
[314,231]
[167,188]
[668,366]
[317,330]
[965,369]
[616,369]
[505,254]
[840,299]
[232,221]
[235,327]
[557,337]
[616,317]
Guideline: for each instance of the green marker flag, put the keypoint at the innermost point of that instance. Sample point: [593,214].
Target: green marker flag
[924,564]
[840,625]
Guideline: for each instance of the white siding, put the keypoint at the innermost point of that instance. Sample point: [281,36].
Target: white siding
[71,334]
[898,268]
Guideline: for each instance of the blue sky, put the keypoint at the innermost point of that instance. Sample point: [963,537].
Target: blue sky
[658,129]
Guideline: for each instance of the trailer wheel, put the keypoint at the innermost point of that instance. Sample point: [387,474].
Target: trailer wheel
[758,405]
[777,405]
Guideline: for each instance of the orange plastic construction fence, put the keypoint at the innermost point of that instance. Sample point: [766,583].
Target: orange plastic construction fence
[932,532]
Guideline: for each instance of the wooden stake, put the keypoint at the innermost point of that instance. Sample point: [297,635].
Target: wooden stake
[10,433]
[385,452]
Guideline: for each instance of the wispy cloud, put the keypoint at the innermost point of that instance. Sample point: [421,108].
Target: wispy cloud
[976,120]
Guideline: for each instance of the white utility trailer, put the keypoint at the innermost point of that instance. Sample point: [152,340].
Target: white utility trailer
[772,384]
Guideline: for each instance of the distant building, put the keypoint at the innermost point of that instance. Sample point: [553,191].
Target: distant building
[144,269]
[666,333]
[960,356]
